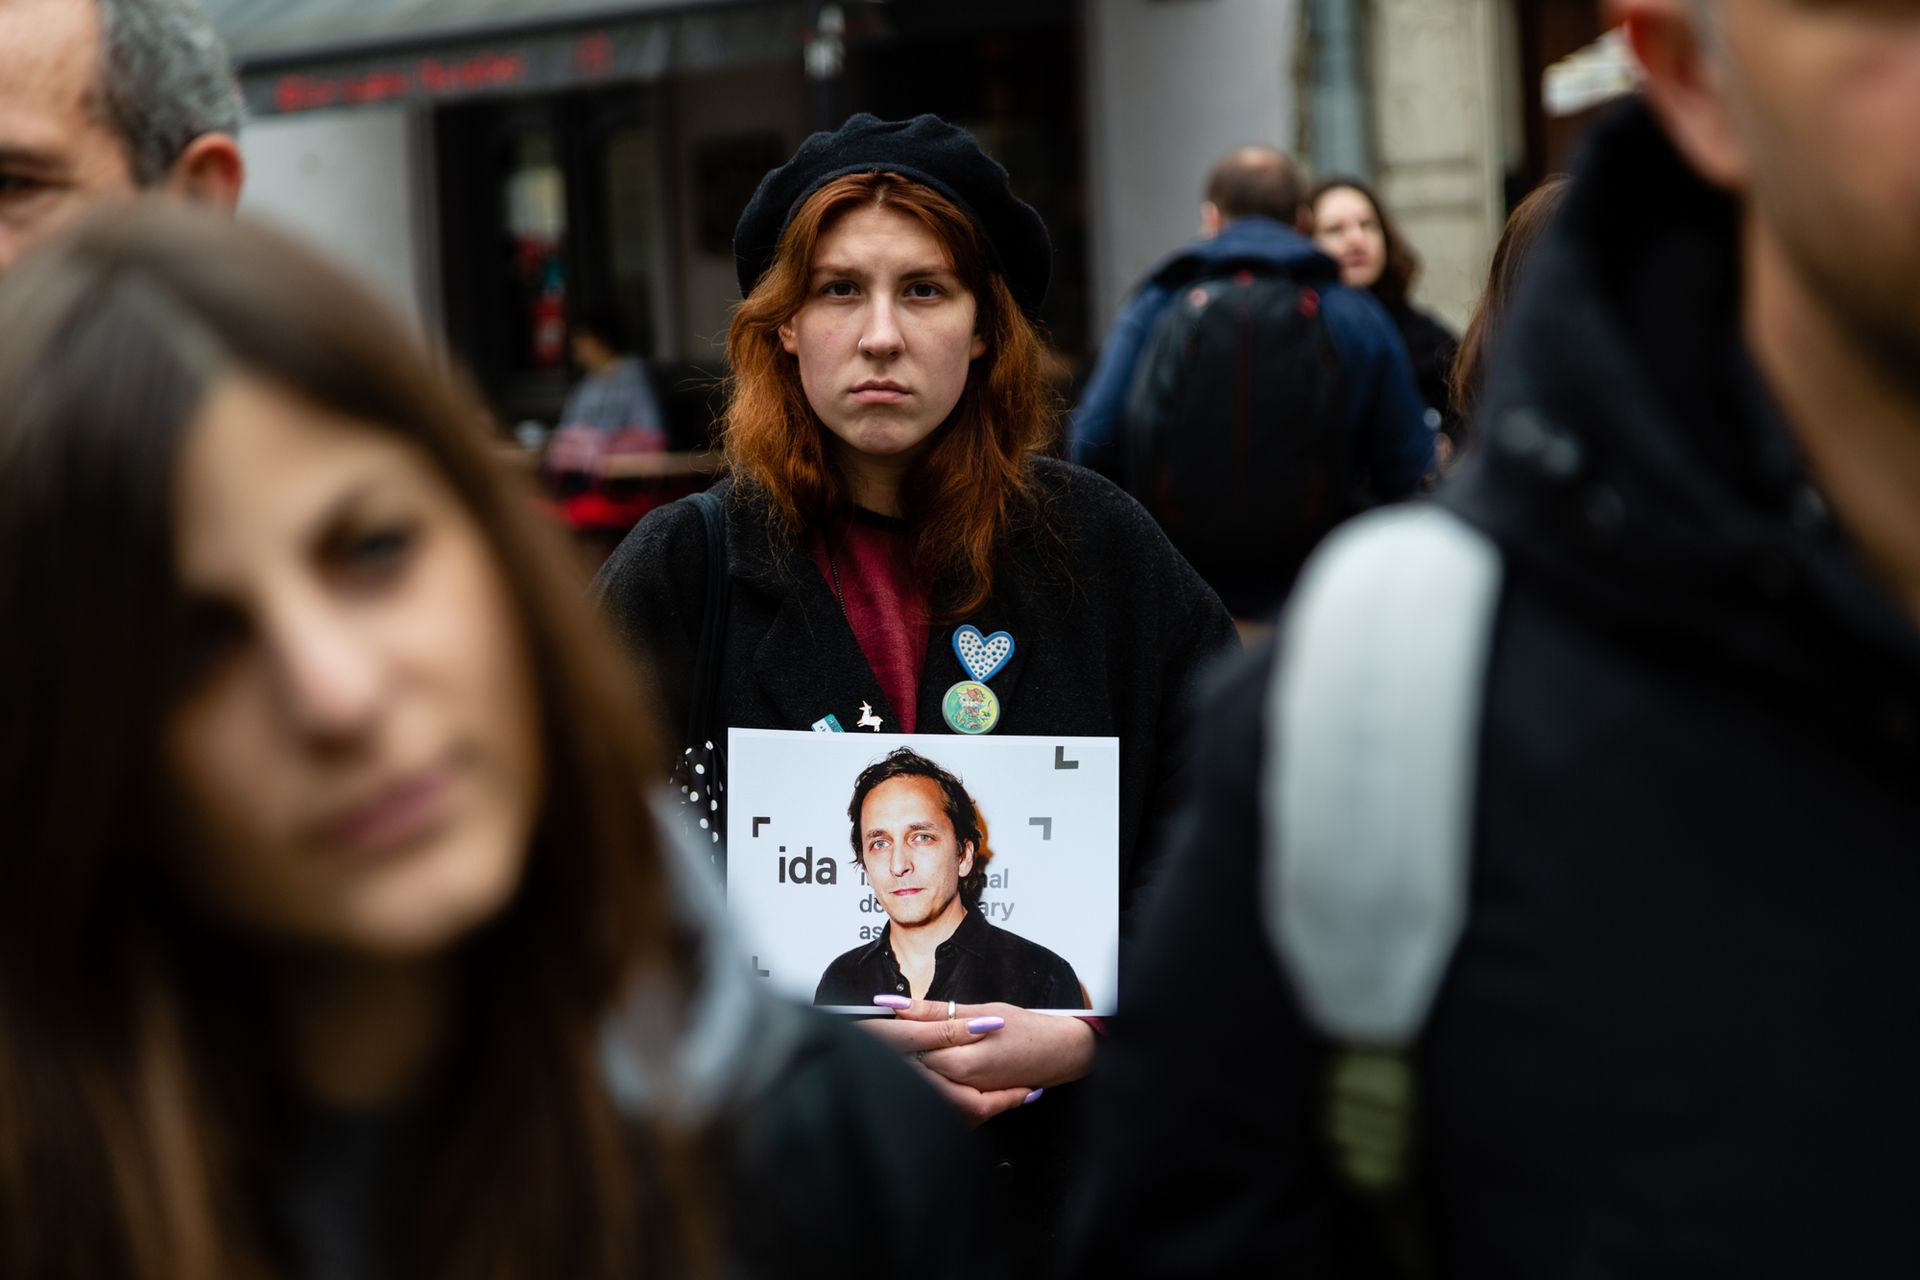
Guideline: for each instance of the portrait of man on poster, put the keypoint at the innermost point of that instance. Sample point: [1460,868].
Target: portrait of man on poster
[919,837]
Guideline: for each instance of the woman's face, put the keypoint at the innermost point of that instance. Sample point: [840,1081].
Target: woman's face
[357,739]
[885,337]
[1347,229]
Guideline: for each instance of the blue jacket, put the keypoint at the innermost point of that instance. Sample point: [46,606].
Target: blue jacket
[1389,419]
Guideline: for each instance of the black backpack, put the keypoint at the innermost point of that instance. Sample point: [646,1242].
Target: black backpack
[1235,435]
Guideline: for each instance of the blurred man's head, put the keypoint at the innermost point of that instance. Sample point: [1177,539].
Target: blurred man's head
[1252,182]
[1806,111]
[99,98]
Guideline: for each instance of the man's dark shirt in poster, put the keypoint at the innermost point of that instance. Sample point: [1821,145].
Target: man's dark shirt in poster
[981,963]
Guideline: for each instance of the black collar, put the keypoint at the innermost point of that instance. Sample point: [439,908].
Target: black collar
[765,559]
[971,935]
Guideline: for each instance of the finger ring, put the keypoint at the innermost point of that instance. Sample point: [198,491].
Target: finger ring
[951,1006]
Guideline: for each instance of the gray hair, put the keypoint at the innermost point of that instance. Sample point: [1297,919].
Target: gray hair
[165,79]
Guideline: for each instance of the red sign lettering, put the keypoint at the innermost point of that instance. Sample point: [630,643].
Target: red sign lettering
[429,76]
[379,86]
[594,54]
[299,93]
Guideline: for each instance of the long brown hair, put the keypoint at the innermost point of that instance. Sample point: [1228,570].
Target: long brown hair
[966,491]
[1525,226]
[1402,266]
[142,1095]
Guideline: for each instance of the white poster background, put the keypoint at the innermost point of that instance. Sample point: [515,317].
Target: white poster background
[1055,881]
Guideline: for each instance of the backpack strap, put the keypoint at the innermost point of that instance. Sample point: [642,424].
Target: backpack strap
[1186,269]
[701,707]
[1367,809]
[1368,792]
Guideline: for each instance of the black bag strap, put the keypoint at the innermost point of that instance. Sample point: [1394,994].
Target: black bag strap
[702,706]
[1305,272]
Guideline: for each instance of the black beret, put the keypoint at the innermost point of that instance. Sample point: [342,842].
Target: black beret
[925,149]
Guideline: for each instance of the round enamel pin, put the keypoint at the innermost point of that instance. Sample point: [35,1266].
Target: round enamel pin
[970,707]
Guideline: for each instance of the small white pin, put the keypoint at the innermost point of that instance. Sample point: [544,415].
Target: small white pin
[868,720]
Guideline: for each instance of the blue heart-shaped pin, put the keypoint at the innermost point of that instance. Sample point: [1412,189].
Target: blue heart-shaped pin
[981,656]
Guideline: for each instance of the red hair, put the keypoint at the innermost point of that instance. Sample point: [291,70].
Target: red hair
[965,491]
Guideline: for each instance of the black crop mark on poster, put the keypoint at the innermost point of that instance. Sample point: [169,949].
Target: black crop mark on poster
[758,972]
[1045,825]
[1060,760]
[757,824]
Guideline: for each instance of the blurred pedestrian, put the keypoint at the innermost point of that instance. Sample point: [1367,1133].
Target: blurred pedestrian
[615,396]
[612,411]
[1562,858]
[885,434]
[1353,228]
[1519,239]
[101,98]
[1247,398]
[339,939]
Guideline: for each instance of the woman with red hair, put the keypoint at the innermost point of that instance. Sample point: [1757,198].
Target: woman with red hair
[886,438]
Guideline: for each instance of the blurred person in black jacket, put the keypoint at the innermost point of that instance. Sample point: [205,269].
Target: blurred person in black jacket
[1669,1031]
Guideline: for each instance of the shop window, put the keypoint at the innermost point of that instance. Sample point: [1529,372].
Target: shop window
[534,206]
[547,212]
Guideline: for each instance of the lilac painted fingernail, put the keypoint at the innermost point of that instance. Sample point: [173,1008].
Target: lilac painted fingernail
[893,1002]
[1033,1097]
[980,1026]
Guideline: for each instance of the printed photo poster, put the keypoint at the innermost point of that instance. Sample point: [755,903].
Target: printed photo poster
[1031,908]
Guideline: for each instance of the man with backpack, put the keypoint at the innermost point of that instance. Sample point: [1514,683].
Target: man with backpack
[1546,902]
[1247,398]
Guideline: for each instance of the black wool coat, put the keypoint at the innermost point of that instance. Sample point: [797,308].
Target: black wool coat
[1110,626]
[1432,347]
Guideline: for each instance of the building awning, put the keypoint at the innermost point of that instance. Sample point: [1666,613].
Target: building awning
[308,55]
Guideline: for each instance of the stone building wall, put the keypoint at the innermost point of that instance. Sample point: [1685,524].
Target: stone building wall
[1440,100]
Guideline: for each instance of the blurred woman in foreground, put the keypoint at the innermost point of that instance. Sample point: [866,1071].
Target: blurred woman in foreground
[338,938]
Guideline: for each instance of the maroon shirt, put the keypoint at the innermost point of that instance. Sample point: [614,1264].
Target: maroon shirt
[884,604]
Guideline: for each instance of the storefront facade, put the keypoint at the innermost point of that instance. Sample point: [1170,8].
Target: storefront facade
[497,181]
[501,165]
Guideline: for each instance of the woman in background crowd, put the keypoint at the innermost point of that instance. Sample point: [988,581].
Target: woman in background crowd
[1352,227]
[886,435]
[1526,225]
[338,939]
